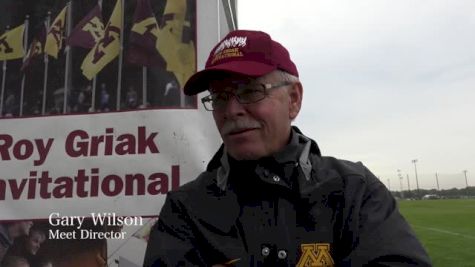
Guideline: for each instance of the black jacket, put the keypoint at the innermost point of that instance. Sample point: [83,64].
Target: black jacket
[292,209]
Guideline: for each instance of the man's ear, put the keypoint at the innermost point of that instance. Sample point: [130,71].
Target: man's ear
[295,99]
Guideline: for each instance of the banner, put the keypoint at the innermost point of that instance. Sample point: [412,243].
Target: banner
[11,44]
[88,186]
[100,177]
[107,48]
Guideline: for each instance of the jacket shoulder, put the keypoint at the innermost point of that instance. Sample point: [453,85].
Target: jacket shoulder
[332,168]
[344,167]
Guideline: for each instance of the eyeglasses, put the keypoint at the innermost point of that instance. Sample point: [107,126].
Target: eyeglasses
[244,94]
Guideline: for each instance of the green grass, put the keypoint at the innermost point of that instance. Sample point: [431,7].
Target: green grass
[445,227]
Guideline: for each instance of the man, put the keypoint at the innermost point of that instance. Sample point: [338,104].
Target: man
[268,198]
[11,230]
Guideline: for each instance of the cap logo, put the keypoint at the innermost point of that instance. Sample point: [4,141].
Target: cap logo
[229,48]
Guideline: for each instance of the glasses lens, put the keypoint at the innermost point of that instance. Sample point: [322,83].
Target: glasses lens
[208,105]
[207,102]
[250,95]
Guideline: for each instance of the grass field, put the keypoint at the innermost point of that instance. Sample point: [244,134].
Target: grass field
[446,228]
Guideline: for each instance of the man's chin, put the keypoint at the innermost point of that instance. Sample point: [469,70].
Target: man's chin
[242,154]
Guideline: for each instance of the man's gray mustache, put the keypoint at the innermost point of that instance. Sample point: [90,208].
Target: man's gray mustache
[230,126]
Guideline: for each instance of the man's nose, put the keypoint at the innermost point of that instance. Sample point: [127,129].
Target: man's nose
[233,107]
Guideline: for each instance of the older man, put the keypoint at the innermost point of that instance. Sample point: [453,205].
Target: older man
[11,230]
[268,197]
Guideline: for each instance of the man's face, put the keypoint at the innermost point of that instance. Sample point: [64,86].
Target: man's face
[255,130]
[24,227]
[34,241]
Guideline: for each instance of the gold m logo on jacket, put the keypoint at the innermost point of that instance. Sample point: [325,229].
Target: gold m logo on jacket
[315,255]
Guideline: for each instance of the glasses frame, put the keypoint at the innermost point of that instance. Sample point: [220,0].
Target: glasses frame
[266,87]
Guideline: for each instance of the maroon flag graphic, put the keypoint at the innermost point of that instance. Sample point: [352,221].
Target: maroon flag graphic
[36,47]
[143,37]
[88,31]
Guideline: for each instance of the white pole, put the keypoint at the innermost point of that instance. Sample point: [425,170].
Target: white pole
[466,180]
[437,180]
[119,79]
[45,81]
[4,76]
[93,95]
[144,86]
[25,47]
[68,62]
[94,80]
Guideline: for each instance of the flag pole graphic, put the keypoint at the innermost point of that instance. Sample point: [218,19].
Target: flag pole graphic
[121,49]
[4,76]
[94,80]
[67,49]
[93,94]
[144,86]
[25,47]
[45,80]
[4,69]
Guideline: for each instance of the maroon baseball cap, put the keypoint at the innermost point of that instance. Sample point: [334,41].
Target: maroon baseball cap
[250,53]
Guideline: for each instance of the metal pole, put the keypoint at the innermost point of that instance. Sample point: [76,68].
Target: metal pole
[25,47]
[68,62]
[144,86]
[119,79]
[417,180]
[94,80]
[408,185]
[45,79]
[400,182]
[437,180]
[466,181]
[389,184]
[4,76]
[92,108]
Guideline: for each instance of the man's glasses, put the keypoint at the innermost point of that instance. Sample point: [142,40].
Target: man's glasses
[244,94]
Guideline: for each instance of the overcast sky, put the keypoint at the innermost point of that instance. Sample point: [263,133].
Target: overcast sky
[385,81]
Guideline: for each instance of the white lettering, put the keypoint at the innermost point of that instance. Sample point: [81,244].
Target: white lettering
[231,42]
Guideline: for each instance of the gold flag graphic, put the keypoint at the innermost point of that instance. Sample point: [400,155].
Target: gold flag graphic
[107,48]
[11,44]
[54,38]
[180,57]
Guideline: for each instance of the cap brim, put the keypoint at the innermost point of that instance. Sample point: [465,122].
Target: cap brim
[199,81]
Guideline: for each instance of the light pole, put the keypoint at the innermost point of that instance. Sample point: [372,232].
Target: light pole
[408,185]
[400,182]
[466,181]
[389,185]
[417,180]
[437,180]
